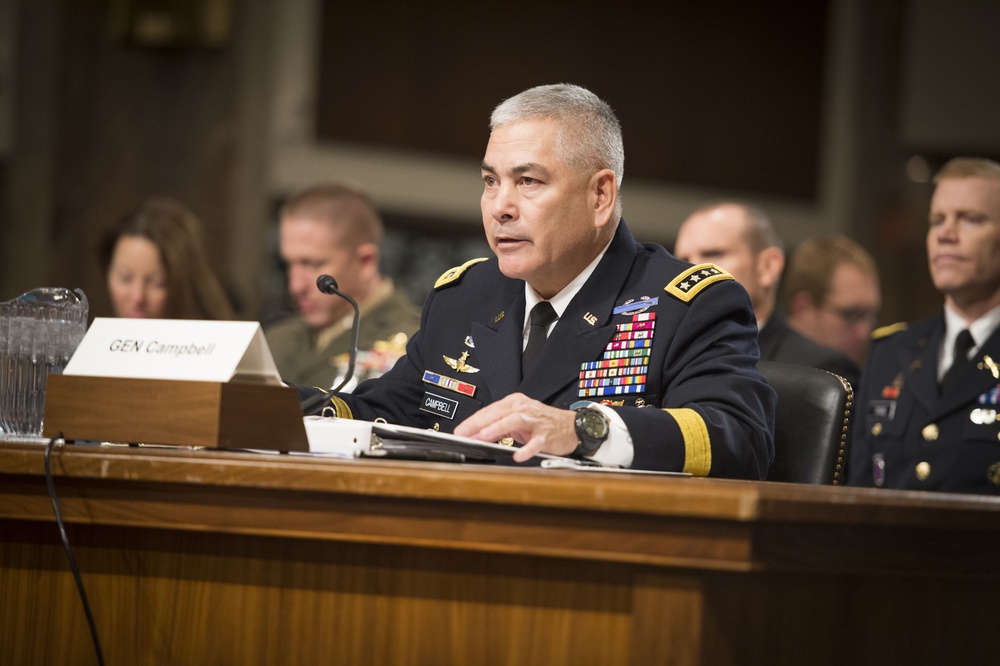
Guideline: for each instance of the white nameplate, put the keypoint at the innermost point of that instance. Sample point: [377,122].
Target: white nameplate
[211,351]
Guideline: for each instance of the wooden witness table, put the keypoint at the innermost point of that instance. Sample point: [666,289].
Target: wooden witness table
[210,557]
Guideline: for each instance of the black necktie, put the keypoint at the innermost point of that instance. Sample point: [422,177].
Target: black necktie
[963,343]
[542,315]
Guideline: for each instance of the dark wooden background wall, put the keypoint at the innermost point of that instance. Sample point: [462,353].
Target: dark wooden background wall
[721,97]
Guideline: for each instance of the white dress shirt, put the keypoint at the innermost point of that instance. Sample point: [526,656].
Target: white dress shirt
[617,449]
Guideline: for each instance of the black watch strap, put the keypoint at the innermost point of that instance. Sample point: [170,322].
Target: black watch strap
[592,429]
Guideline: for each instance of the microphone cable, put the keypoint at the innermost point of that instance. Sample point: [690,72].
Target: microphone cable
[69,551]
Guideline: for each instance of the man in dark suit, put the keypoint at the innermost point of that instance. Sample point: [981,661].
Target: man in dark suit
[741,238]
[927,414]
[648,362]
[831,294]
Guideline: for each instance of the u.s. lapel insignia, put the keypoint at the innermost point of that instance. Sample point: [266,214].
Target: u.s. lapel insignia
[987,363]
[590,318]
[496,320]
[460,364]
[469,342]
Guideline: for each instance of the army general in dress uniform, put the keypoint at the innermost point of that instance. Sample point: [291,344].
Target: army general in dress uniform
[630,356]
[927,414]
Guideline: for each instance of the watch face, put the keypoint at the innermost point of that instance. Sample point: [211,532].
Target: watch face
[595,424]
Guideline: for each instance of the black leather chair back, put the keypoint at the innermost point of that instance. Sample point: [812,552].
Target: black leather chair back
[811,423]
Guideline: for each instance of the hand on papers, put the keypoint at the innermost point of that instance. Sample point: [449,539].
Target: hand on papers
[543,429]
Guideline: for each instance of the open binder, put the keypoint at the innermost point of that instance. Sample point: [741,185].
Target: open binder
[398,441]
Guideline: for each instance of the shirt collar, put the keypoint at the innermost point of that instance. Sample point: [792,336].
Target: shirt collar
[981,329]
[561,300]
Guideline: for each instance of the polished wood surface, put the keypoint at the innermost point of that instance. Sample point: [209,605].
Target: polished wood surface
[158,411]
[211,557]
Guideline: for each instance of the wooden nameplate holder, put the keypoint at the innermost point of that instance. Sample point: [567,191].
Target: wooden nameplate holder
[221,415]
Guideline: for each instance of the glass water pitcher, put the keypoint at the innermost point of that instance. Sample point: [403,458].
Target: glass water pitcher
[39,331]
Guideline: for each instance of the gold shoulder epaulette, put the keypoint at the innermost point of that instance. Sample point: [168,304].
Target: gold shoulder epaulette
[453,274]
[886,331]
[688,284]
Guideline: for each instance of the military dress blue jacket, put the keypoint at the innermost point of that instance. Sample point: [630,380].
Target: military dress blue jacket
[905,435]
[692,401]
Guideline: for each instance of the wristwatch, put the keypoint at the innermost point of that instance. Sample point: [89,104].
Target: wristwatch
[592,428]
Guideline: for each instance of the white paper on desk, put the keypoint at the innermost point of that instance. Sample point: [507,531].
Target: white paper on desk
[182,349]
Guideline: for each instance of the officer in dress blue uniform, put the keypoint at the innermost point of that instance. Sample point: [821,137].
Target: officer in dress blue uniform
[927,414]
[648,362]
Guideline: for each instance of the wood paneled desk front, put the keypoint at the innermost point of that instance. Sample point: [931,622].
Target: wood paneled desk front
[212,557]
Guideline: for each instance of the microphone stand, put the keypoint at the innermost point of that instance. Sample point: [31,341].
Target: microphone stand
[355,332]
[327,285]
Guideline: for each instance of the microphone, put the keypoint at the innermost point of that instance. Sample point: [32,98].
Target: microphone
[327,285]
